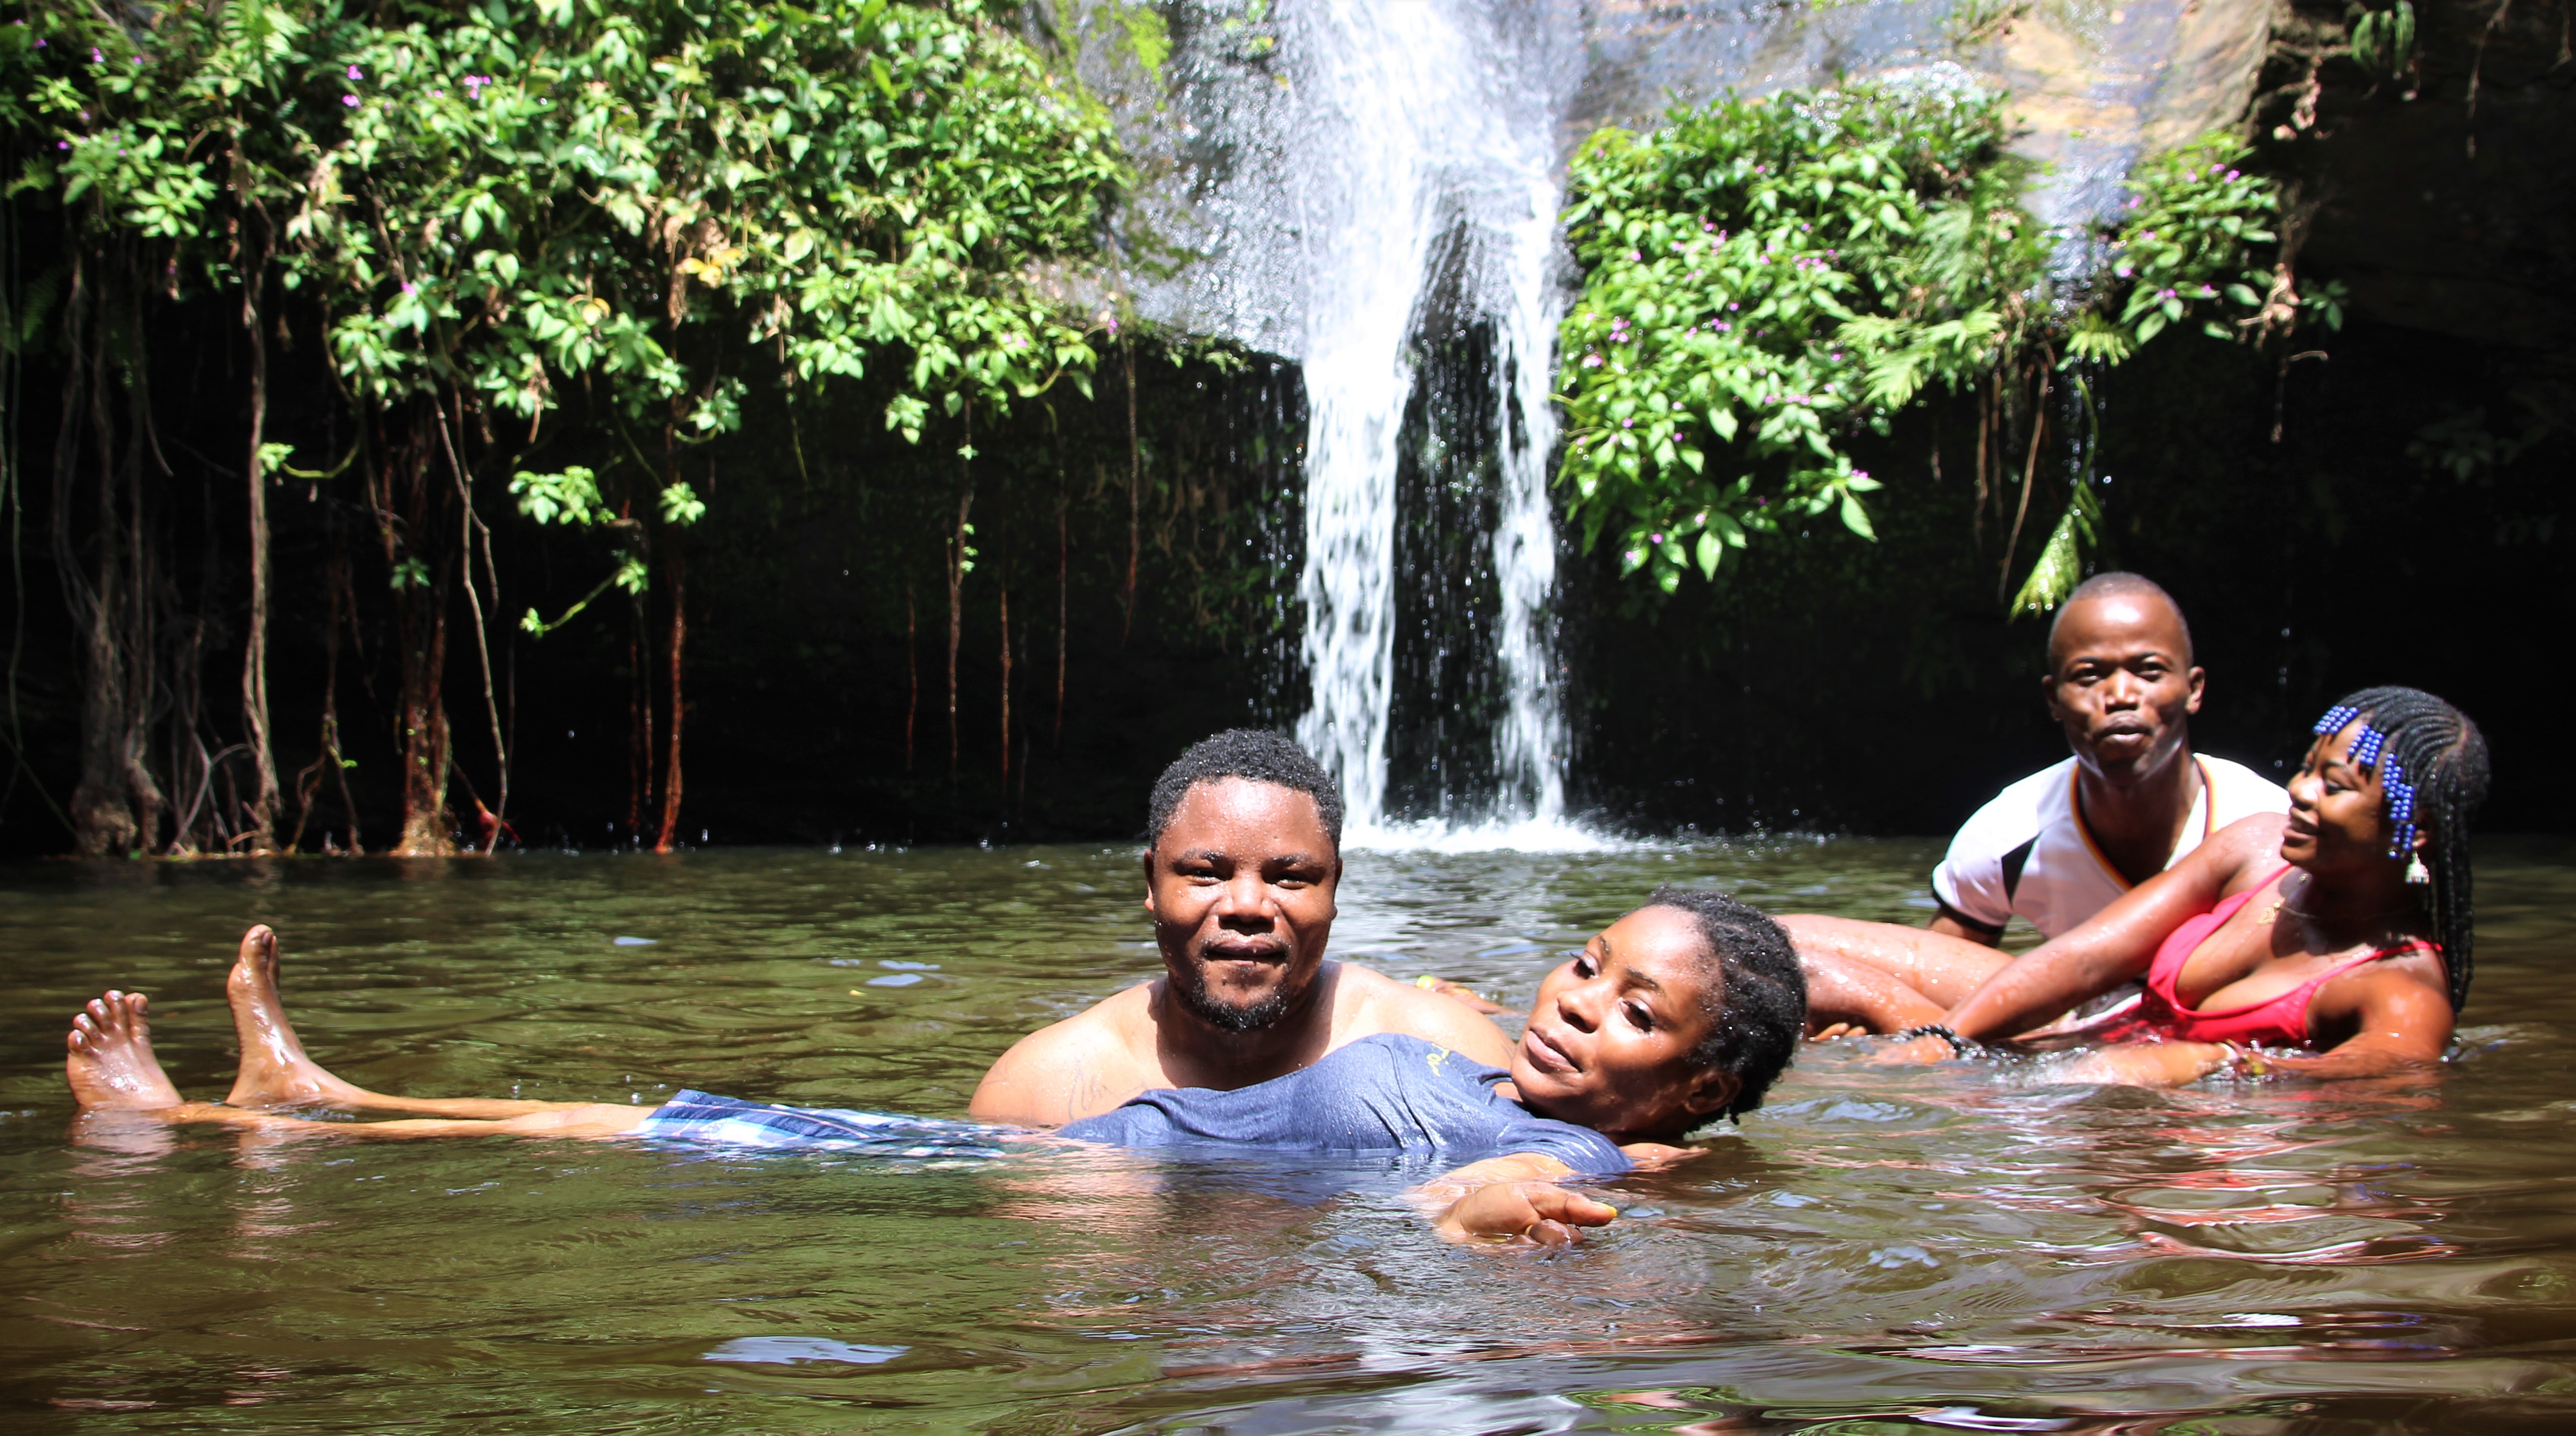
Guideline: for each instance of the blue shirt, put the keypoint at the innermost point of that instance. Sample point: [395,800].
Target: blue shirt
[1383,1093]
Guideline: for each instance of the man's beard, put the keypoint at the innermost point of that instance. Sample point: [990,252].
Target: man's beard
[1255,1016]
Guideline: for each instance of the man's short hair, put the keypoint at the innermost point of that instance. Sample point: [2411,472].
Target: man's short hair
[2120,585]
[1756,996]
[1254,755]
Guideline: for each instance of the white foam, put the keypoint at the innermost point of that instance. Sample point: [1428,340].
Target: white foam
[1526,835]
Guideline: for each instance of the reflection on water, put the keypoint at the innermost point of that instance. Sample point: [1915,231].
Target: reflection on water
[1963,1248]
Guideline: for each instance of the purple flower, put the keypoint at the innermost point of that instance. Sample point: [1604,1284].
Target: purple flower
[1654,538]
[356,74]
[1627,423]
[2122,271]
[438,94]
[95,57]
[62,144]
[1591,361]
[411,289]
[349,100]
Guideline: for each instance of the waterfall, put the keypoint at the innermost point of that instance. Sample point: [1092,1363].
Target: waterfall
[1370,188]
[1390,172]
[1442,145]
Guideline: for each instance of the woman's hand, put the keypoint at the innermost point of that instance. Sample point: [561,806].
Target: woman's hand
[1542,1213]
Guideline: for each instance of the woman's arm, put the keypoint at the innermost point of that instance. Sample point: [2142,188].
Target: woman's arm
[2114,946]
[2402,1022]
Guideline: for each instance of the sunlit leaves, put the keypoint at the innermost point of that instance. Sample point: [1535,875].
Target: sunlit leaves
[2188,231]
[570,497]
[1765,280]
[506,201]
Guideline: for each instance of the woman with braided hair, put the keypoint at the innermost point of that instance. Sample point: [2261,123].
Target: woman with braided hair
[2335,942]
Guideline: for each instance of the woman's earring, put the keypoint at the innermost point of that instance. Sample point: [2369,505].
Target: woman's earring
[2416,872]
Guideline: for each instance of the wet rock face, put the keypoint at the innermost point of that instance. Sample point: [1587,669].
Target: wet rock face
[2096,83]
[2446,200]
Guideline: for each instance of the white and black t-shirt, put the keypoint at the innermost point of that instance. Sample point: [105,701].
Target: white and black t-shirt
[2028,854]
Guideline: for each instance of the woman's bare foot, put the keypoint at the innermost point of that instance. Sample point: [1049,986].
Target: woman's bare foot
[274,1070]
[111,1062]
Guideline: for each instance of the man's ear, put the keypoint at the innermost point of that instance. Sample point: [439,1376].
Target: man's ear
[2199,686]
[1149,884]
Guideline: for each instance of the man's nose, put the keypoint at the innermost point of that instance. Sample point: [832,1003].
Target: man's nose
[2125,690]
[1244,895]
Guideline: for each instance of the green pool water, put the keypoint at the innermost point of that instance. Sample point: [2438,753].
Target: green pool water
[1958,1248]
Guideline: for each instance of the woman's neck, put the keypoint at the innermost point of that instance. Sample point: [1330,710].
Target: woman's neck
[2348,907]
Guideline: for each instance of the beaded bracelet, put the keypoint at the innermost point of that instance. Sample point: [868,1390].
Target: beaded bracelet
[1959,1046]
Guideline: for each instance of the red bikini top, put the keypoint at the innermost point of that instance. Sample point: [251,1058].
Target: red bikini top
[2277,1022]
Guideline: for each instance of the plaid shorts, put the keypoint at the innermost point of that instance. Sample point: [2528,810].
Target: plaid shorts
[706,1119]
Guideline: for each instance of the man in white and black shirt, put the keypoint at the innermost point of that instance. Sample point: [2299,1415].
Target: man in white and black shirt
[2063,843]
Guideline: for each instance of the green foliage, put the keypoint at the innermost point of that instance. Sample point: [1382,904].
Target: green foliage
[2192,220]
[1766,278]
[570,498]
[2060,565]
[1147,35]
[1769,280]
[2460,444]
[498,202]
[2383,41]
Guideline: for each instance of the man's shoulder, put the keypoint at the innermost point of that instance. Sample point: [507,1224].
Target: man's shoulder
[1066,1069]
[1367,1002]
[1109,1021]
[2237,791]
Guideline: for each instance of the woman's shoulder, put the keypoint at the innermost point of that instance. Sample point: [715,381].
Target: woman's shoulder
[2244,855]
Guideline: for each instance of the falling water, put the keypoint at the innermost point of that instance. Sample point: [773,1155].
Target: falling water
[1450,151]
[1393,171]
[1370,187]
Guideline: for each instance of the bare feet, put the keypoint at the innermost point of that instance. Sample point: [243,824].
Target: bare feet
[274,1070]
[111,1062]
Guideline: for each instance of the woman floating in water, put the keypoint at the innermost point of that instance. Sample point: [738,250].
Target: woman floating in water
[2342,930]
[1679,1013]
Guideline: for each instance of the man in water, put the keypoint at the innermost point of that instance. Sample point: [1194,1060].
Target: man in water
[1242,857]
[2061,844]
